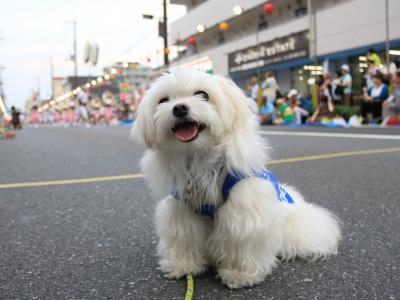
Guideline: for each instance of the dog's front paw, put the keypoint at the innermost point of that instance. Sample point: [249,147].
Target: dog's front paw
[235,279]
[179,268]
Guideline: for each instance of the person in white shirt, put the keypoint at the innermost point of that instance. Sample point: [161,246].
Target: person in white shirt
[270,88]
[83,113]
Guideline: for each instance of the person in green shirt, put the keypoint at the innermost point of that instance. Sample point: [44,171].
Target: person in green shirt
[373,57]
[286,115]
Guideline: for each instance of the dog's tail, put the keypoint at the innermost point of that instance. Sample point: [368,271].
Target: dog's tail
[310,232]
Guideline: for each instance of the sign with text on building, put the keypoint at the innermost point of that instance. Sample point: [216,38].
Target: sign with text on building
[277,51]
[203,64]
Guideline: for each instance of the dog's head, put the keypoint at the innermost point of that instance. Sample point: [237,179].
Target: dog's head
[186,110]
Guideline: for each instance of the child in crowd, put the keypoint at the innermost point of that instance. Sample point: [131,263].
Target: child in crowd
[72,113]
[34,117]
[267,112]
[295,103]
[108,112]
[285,112]
[324,112]
[96,113]
[57,116]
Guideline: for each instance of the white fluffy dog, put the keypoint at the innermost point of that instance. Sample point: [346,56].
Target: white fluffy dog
[220,206]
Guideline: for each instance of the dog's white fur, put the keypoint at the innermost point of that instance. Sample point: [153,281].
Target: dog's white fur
[252,227]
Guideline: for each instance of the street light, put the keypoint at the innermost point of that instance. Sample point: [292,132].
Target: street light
[201,28]
[237,10]
[148,17]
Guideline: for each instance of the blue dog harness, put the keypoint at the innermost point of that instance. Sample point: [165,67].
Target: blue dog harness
[209,210]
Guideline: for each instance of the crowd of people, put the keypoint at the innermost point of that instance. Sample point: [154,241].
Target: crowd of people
[85,109]
[379,102]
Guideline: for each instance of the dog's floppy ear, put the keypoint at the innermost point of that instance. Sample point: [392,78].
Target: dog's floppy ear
[143,127]
[238,107]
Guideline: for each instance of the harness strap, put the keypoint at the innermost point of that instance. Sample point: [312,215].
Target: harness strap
[230,181]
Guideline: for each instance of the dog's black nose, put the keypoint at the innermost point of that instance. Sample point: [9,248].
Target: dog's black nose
[180,110]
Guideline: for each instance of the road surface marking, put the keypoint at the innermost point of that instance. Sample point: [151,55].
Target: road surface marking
[333,135]
[332,155]
[69,181]
[139,175]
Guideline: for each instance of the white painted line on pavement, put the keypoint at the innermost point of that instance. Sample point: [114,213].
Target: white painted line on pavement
[334,135]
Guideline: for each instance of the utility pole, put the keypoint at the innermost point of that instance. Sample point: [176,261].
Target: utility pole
[51,78]
[387,34]
[313,30]
[1,83]
[75,55]
[1,79]
[38,86]
[163,30]
[165,24]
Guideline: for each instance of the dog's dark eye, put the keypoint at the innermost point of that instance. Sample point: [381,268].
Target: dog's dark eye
[203,95]
[163,100]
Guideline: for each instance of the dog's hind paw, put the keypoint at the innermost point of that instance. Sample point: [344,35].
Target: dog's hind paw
[237,279]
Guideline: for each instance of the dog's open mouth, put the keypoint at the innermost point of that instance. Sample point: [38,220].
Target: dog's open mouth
[187,130]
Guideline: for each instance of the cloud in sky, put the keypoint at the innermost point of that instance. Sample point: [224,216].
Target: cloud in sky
[35,32]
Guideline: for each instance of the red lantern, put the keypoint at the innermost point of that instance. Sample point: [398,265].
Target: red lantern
[268,8]
[192,40]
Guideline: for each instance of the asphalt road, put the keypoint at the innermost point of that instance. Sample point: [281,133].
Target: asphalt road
[96,240]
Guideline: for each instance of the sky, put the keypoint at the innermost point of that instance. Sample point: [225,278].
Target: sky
[35,32]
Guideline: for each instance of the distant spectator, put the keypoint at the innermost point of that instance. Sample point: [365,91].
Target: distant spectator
[394,67]
[373,99]
[326,87]
[270,88]
[285,112]
[344,85]
[371,70]
[96,111]
[391,107]
[373,57]
[57,116]
[83,112]
[267,112]
[324,112]
[337,91]
[294,103]
[15,114]
[253,87]
[71,114]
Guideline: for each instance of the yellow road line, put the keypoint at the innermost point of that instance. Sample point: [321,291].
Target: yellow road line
[139,175]
[332,155]
[69,181]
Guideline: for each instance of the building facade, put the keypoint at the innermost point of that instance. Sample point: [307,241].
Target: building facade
[257,41]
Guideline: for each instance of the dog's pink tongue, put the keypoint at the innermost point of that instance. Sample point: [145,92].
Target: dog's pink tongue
[186,133]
